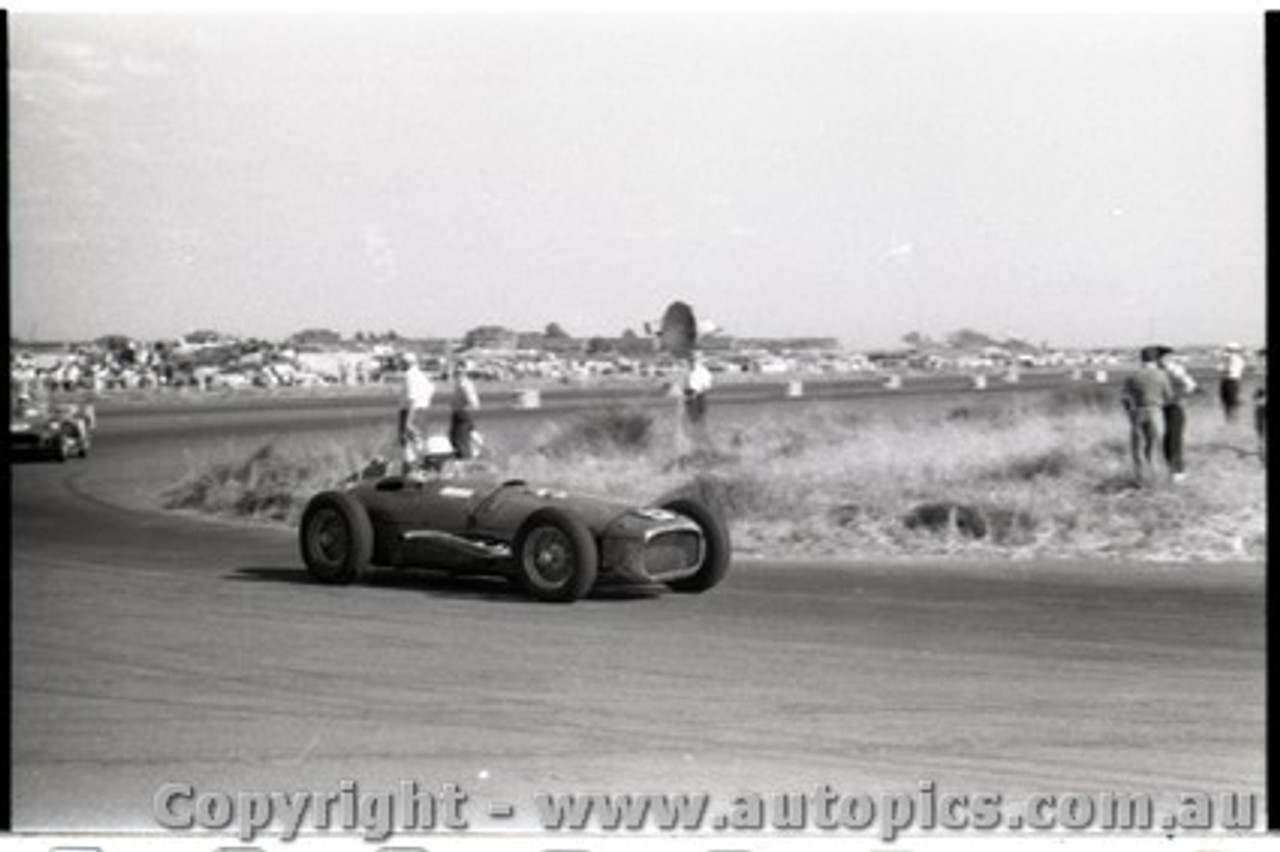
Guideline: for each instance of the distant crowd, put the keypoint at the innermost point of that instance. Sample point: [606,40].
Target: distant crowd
[124,365]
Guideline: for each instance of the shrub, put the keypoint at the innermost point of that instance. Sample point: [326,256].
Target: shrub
[1051,464]
[944,515]
[613,429]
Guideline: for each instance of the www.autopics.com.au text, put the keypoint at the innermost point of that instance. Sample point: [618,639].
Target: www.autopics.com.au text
[412,807]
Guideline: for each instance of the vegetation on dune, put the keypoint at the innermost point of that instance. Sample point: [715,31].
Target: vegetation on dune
[1008,477]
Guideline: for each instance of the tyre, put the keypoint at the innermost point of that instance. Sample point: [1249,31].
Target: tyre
[83,440]
[715,560]
[556,556]
[62,448]
[336,537]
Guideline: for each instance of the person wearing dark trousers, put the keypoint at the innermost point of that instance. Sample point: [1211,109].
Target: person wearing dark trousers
[1229,385]
[1175,412]
[1145,394]
[1260,407]
[463,401]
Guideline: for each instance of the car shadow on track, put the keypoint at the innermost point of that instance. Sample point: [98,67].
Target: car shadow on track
[441,584]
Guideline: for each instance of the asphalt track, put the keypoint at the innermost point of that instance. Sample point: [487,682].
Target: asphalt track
[152,648]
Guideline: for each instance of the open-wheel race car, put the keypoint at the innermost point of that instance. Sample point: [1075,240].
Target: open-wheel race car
[50,431]
[552,543]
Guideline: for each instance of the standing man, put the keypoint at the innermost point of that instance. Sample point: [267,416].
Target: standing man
[1229,386]
[1260,407]
[697,384]
[1175,413]
[414,402]
[462,403]
[1145,395]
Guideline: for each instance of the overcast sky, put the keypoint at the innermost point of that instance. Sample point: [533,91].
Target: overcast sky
[1076,180]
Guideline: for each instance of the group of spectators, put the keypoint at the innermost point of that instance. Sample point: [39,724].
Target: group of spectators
[417,444]
[1155,399]
[132,365]
[422,446]
[91,369]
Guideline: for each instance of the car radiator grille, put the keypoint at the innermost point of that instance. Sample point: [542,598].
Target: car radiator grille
[671,553]
[24,440]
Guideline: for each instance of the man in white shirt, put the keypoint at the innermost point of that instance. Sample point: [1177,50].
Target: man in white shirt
[414,402]
[1229,386]
[697,383]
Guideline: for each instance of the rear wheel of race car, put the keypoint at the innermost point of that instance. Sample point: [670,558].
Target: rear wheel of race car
[336,537]
[715,559]
[556,556]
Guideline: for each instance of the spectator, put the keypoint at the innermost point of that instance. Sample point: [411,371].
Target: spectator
[1145,395]
[1260,409]
[697,384]
[1175,414]
[463,402]
[414,402]
[1229,386]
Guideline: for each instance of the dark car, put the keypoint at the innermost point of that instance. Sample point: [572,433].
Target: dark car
[58,432]
[553,543]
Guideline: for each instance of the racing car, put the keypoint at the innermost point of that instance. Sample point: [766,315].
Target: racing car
[58,431]
[553,543]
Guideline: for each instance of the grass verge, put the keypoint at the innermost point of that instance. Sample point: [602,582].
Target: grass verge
[990,478]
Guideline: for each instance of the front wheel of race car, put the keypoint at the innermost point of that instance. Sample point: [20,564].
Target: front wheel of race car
[556,557]
[82,444]
[715,538]
[336,537]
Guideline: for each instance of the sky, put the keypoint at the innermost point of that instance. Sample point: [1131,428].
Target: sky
[1069,179]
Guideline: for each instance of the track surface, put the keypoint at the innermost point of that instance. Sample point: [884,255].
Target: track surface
[151,649]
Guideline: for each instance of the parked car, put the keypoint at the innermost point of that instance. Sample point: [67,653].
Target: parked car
[554,544]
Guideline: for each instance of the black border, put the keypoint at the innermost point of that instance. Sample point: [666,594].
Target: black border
[1271,49]
[6,584]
